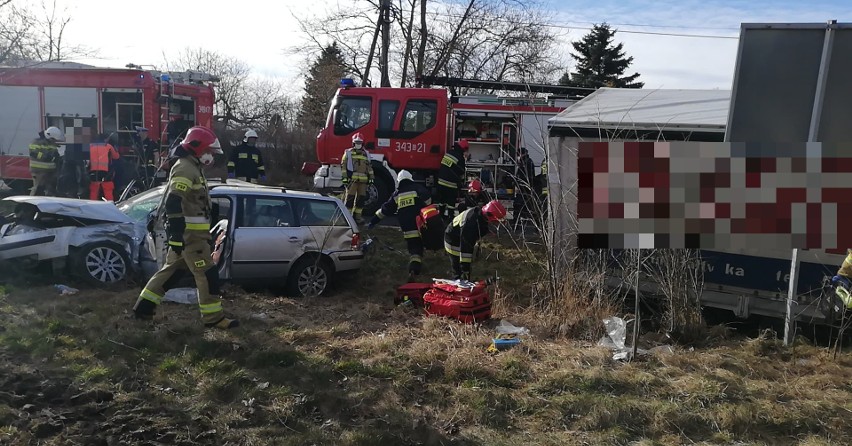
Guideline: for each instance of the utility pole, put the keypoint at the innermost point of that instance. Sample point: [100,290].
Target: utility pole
[384,19]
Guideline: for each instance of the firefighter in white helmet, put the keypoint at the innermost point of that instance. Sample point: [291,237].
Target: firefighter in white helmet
[406,204]
[44,154]
[246,161]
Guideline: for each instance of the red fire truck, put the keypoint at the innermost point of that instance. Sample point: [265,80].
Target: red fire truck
[85,101]
[411,128]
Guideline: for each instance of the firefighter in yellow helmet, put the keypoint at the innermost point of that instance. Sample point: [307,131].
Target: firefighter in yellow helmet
[357,175]
[187,206]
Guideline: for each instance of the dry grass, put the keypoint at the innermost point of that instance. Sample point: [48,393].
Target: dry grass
[353,370]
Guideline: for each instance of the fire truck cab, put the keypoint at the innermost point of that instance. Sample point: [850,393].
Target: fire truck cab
[86,101]
[412,128]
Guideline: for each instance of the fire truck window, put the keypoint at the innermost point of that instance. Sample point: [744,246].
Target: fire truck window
[419,116]
[387,114]
[352,114]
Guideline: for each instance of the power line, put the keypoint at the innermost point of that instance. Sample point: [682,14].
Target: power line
[660,26]
[553,25]
[702,36]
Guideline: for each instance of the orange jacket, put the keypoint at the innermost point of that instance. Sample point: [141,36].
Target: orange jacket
[100,157]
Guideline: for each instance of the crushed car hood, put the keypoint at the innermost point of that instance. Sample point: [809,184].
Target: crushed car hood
[72,207]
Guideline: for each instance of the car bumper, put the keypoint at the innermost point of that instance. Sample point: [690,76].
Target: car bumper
[348,260]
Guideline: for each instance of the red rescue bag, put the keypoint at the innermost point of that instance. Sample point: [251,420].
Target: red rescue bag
[465,304]
[413,292]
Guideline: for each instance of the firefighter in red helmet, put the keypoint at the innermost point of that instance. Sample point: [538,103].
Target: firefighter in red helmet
[464,232]
[474,196]
[187,209]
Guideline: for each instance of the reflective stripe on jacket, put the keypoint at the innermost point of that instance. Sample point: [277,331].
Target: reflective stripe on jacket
[101,156]
[356,165]
[43,155]
[188,182]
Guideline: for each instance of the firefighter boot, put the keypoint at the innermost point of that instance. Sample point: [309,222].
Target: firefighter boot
[144,310]
[224,324]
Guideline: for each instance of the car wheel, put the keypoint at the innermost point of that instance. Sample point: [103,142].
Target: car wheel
[101,263]
[309,277]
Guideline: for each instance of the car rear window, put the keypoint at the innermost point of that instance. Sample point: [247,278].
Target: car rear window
[319,213]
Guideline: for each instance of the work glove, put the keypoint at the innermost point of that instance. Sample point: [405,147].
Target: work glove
[373,222]
[370,181]
[465,275]
[174,229]
[841,281]
[231,175]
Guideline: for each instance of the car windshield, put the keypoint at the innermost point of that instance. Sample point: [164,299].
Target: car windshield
[139,206]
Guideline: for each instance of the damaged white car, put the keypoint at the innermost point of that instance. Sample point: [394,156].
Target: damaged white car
[92,240]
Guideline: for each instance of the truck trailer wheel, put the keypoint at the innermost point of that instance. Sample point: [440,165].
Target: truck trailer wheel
[377,194]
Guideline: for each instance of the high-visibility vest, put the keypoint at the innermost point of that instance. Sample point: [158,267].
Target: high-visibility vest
[100,155]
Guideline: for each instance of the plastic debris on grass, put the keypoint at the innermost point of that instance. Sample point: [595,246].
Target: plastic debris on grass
[65,290]
[616,337]
[187,296]
[508,335]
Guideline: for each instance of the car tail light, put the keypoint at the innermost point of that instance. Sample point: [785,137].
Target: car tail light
[356,241]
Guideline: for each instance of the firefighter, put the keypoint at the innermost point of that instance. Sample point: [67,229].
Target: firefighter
[842,283]
[102,160]
[44,154]
[451,178]
[187,209]
[406,204]
[474,196]
[357,175]
[146,152]
[465,230]
[524,180]
[246,162]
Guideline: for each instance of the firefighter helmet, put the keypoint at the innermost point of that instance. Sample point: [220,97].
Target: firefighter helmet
[249,134]
[358,137]
[55,134]
[462,145]
[200,140]
[475,186]
[494,211]
[403,175]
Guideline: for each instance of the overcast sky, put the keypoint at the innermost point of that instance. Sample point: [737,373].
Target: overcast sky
[261,31]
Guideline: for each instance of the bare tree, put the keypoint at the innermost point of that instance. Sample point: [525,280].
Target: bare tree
[15,33]
[31,33]
[241,99]
[486,39]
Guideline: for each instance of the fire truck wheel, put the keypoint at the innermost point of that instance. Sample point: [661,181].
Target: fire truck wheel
[378,193]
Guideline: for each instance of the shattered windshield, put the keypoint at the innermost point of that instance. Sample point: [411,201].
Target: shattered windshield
[139,206]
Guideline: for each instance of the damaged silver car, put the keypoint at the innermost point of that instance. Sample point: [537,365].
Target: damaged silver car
[298,241]
[93,240]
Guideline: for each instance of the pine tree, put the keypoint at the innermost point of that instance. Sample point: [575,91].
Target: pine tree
[600,63]
[321,83]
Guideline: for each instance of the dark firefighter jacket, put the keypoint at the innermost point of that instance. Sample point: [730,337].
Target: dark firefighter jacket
[406,204]
[463,233]
[451,173]
[246,162]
